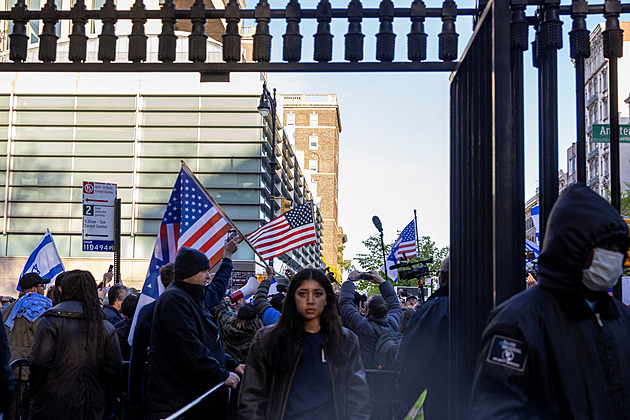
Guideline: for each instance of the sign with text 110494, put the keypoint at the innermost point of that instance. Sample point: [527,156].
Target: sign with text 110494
[99,199]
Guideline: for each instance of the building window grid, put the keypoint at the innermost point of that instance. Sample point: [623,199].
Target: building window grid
[313,119]
[135,169]
[313,142]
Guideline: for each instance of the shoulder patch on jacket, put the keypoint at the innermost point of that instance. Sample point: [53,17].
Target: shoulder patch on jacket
[507,352]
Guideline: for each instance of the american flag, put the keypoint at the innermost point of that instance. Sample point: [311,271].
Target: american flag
[405,246]
[289,231]
[406,242]
[191,220]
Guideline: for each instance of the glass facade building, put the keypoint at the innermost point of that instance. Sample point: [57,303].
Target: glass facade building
[57,131]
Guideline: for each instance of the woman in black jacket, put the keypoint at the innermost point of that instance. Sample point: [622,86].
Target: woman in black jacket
[75,356]
[307,366]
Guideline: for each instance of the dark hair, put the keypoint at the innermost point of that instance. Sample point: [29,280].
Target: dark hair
[166,274]
[129,305]
[115,293]
[54,291]
[377,306]
[276,301]
[80,286]
[407,314]
[287,335]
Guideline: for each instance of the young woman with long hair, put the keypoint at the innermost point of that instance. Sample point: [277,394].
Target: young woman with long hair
[75,356]
[306,366]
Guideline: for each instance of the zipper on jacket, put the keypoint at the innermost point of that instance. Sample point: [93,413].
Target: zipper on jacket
[599,320]
[286,397]
[332,385]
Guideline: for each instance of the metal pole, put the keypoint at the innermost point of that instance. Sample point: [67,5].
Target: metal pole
[613,49]
[415,225]
[580,119]
[274,163]
[117,209]
[579,51]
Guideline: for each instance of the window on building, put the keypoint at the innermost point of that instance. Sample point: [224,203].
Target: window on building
[291,118]
[312,165]
[314,119]
[313,142]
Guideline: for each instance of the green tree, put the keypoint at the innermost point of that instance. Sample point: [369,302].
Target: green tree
[373,260]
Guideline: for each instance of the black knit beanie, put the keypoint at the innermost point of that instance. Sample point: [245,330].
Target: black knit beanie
[246,312]
[189,262]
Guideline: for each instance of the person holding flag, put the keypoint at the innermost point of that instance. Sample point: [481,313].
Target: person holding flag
[187,356]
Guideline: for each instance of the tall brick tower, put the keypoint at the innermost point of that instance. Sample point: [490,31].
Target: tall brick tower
[313,124]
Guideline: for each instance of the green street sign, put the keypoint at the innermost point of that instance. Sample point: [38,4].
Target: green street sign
[601,133]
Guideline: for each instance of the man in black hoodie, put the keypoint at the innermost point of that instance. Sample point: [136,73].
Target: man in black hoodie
[186,356]
[560,350]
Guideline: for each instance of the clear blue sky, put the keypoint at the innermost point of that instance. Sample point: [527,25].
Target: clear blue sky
[394,148]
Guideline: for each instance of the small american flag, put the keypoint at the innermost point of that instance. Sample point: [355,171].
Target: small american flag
[289,231]
[192,220]
[405,246]
[406,242]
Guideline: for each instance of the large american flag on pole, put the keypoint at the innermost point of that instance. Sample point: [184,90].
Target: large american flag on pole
[289,231]
[404,247]
[191,219]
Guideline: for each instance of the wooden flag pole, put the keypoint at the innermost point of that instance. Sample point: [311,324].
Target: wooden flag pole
[194,178]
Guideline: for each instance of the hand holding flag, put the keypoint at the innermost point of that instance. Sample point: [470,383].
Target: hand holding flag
[44,260]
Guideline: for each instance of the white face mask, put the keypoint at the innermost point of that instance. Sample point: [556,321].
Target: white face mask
[604,271]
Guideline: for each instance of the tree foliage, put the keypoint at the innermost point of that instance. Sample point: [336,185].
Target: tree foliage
[372,259]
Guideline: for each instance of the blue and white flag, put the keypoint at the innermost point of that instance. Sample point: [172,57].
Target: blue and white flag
[535,212]
[404,247]
[44,260]
[532,246]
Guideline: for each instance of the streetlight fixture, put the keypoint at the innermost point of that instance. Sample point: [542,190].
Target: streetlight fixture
[268,105]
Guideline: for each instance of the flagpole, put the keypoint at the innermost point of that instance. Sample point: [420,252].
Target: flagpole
[415,225]
[194,178]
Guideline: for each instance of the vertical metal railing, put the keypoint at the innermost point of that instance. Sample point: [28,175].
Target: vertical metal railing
[486,192]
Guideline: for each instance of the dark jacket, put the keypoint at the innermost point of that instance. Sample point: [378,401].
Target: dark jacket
[545,353]
[112,314]
[186,356]
[361,326]
[264,390]
[139,353]
[69,379]
[6,376]
[142,333]
[422,358]
[122,331]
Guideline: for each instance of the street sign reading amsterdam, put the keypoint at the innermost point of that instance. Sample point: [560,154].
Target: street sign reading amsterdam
[98,216]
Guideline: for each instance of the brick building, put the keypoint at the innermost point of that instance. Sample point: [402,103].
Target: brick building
[313,124]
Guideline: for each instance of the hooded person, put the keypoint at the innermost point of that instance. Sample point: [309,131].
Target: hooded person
[186,356]
[237,329]
[560,350]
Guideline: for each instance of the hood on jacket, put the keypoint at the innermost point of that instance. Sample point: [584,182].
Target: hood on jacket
[580,220]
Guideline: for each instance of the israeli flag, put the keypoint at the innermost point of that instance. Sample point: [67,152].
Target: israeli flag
[535,212]
[44,260]
[391,259]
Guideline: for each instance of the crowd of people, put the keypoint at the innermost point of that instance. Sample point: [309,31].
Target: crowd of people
[557,350]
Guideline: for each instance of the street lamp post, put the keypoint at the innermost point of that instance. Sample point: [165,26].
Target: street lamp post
[268,104]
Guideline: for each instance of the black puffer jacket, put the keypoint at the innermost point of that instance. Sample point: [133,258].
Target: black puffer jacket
[186,356]
[546,354]
[70,376]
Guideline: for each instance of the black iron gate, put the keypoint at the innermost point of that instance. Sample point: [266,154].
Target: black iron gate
[487,194]
[487,116]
